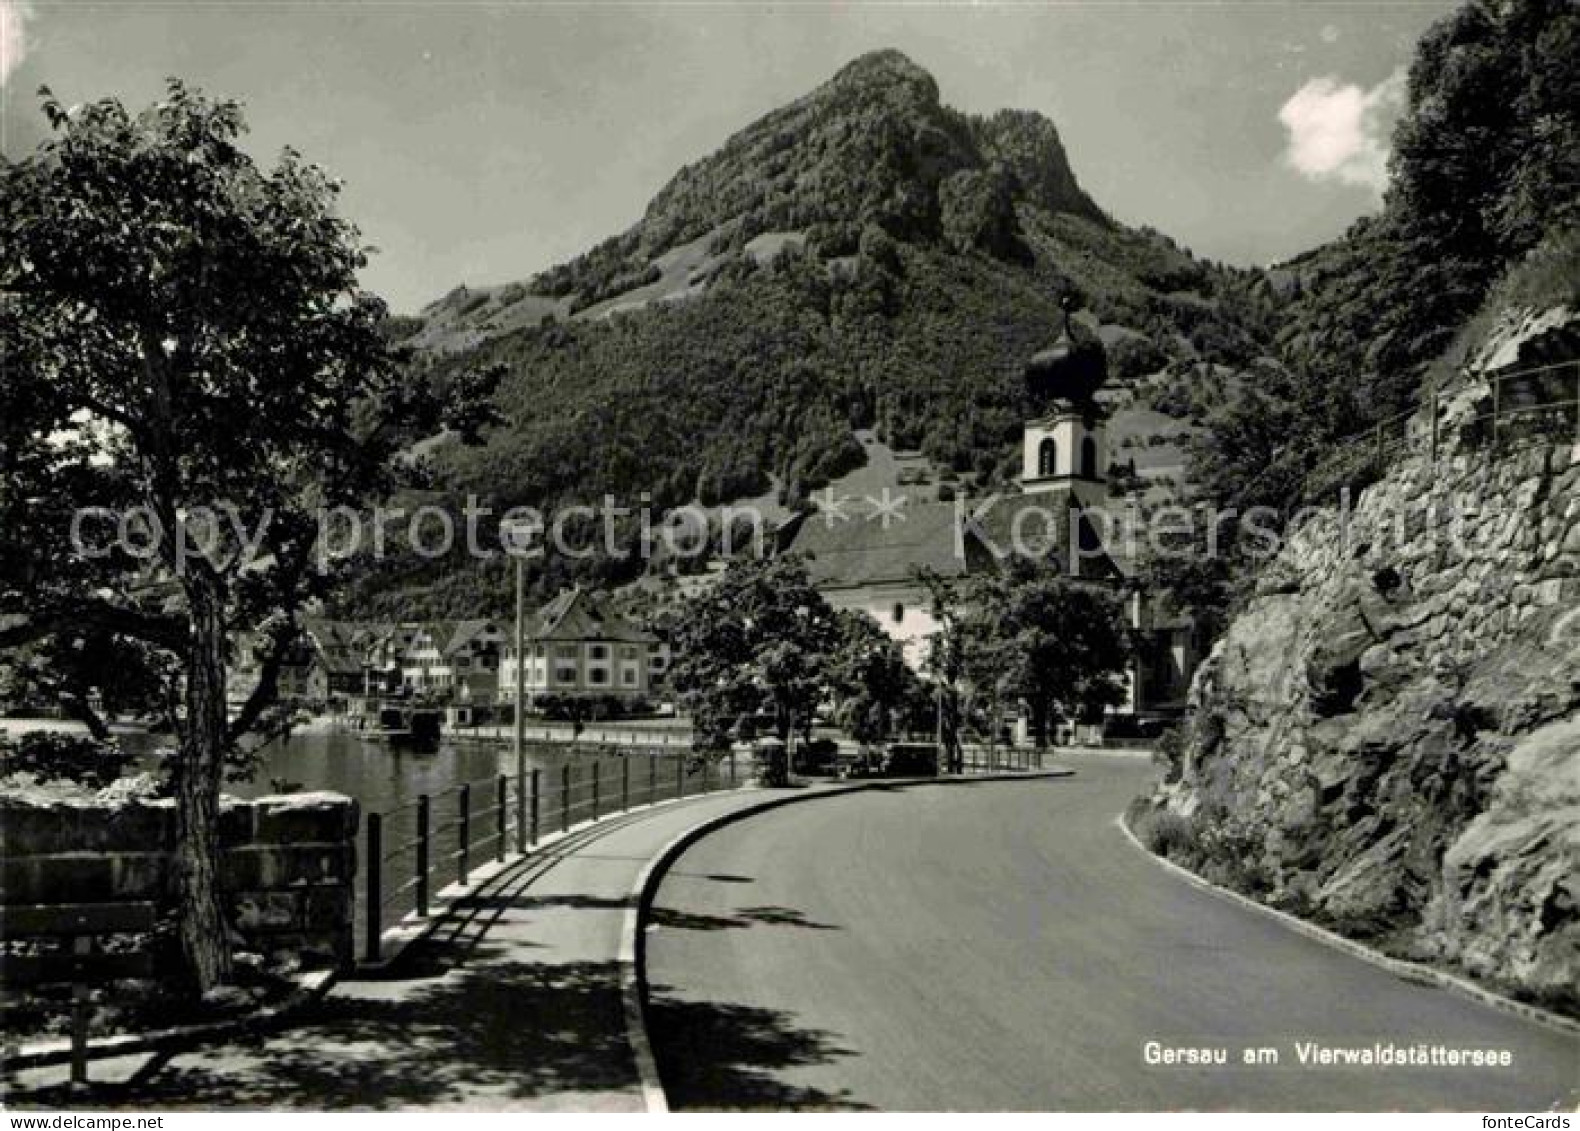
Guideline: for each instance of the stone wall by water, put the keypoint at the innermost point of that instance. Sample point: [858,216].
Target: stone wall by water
[1387,740]
[286,871]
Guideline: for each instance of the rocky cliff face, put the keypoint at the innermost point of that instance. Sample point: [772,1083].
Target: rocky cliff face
[1387,740]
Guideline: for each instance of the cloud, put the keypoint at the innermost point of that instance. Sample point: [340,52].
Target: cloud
[1340,132]
[14,17]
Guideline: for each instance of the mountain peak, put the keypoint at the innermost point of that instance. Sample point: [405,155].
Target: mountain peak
[887,67]
[873,146]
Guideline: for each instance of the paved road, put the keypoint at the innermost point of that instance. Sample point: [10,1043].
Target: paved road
[1000,946]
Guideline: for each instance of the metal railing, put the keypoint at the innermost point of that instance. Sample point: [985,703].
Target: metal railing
[1539,404]
[976,759]
[444,837]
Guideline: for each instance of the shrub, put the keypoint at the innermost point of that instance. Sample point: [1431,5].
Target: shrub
[53,756]
[1164,832]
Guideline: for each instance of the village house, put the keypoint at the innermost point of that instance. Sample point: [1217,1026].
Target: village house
[575,645]
[456,659]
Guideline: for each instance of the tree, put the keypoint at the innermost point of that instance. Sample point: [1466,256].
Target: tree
[760,638]
[876,689]
[192,377]
[1059,644]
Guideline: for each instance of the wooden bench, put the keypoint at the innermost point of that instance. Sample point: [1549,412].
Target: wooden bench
[75,929]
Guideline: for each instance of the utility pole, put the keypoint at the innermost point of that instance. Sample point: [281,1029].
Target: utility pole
[519,714]
[513,534]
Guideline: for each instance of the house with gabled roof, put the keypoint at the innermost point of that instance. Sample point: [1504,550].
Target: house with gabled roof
[578,645]
[453,659]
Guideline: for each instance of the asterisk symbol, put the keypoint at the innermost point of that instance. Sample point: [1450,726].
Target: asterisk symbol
[831,506]
[887,508]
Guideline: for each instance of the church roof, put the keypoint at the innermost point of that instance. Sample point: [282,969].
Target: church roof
[863,550]
[949,539]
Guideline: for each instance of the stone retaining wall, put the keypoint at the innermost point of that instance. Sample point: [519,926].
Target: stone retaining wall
[1387,739]
[287,871]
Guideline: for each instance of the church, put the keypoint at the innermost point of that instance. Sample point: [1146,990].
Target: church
[871,563]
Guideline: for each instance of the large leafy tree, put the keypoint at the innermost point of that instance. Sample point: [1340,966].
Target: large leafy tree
[760,639]
[876,690]
[1059,645]
[185,339]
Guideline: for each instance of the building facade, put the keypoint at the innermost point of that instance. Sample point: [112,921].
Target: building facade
[576,646]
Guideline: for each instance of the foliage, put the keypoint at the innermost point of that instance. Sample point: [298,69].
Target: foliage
[876,691]
[761,639]
[583,708]
[55,756]
[1059,645]
[92,674]
[1163,831]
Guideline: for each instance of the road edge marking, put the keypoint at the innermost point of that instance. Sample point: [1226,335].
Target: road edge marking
[632,958]
[1399,967]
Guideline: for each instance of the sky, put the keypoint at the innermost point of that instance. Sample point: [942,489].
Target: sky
[482,142]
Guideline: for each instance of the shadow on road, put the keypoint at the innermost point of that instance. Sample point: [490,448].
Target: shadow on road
[741,917]
[720,1056]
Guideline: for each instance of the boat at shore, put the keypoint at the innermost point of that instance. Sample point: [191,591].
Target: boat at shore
[403,724]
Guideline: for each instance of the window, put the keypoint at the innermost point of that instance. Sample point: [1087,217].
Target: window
[1089,458]
[598,651]
[898,612]
[597,675]
[1047,457]
[628,677]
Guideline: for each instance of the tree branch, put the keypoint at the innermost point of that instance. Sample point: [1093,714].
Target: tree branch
[159,629]
[267,691]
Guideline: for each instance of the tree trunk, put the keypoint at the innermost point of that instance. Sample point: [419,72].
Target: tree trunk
[204,934]
[949,728]
[1039,723]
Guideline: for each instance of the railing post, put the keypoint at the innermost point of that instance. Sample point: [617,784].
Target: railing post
[625,782]
[652,776]
[374,894]
[501,816]
[81,947]
[537,792]
[521,812]
[463,834]
[565,796]
[595,776]
[422,855]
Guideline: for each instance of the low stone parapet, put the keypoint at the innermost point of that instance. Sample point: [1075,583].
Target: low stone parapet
[287,869]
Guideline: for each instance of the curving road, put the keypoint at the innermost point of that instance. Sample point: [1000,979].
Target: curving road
[1001,946]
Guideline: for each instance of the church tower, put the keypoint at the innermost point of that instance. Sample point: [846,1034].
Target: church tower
[1065,441]
[1065,445]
